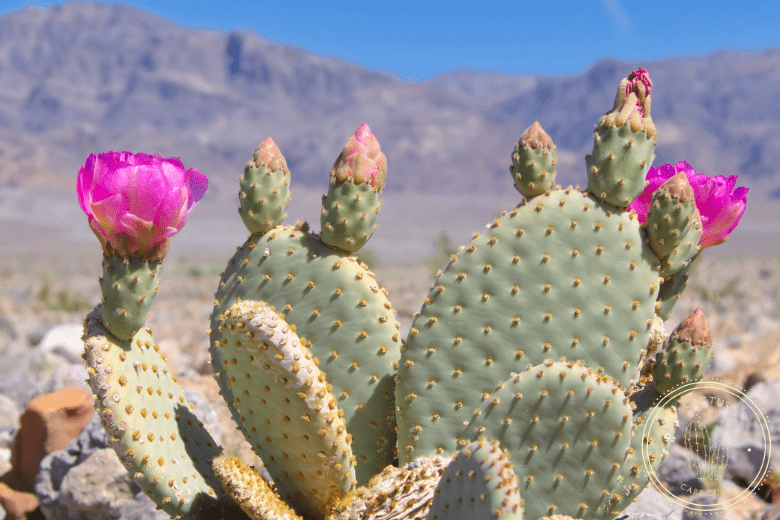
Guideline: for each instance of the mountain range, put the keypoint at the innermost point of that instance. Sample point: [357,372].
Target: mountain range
[81,78]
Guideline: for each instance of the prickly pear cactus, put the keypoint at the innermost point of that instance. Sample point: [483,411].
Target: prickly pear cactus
[566,277]
[345,326]
[529,384]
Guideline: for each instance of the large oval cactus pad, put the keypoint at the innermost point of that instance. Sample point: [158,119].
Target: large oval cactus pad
[562,277]
[343,315]
[149,421]
[567,430]
[293,420]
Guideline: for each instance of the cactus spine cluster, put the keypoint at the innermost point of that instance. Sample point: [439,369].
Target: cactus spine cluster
[528,384]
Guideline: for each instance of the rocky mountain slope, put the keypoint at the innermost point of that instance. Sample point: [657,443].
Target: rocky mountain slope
[87,77]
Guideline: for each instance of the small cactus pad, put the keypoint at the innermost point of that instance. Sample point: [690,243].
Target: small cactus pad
[357,180]
[685,355]
[624,141]
[287,411]
[563,276]
[251,491]
[264,189]
[478,483]
[533,162]
[395,493]
[689,247]
[150,424]
[339,310]
[670,291]
[652,438]
[128,288]
[348,215]
[567,430]
[671,209]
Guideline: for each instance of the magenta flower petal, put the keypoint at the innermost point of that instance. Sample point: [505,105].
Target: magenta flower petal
[720,205]
[135,203]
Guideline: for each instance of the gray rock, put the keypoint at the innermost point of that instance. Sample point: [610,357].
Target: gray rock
[65,376]
[9,413]
[742,429]
[676,470]
[706,508]
[96,488]
[55,467]
[20,387]
[141,508]
[64,495]
[654,503]
[65,341]
[641,516]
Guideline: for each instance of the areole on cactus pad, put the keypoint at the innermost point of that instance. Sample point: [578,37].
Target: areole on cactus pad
[533,360]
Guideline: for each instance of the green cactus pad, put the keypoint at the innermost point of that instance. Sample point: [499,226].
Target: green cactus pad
[149,422]
[650,442]
[685,355]
[264,190]
[533,162]
[251,491]
[619,163]
[338,308]
[287,412]
[395,493]
[684,253]
[670,291]
[478,483]
[348,214]
[567,430]
[671,209]
[563,276]
[128,288]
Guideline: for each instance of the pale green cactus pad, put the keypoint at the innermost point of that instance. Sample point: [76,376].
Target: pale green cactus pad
[150,423]
[128,288]
[567,430]
[650,442]
[289,413]
[478,483]
[348,214]
[264,189]
[561,277]
[685,355]
[345,319]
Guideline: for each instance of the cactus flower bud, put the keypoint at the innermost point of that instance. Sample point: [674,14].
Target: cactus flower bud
[268,154]
[694,329]
[361,160]
[639,83]
[632,104]
[720,205]
[535,137]
[135,203]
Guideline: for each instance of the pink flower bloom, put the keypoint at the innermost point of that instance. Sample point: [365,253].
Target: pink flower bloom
[135,203]
[720,205]
[634,79]
[361,160]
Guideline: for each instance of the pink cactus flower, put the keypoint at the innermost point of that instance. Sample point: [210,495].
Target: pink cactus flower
[361,160]
[634,79]
[135,203]
[720,205]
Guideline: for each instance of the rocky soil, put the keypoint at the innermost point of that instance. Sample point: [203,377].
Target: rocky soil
[47,289]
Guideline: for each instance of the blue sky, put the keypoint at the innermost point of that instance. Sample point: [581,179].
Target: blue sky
[420,39]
